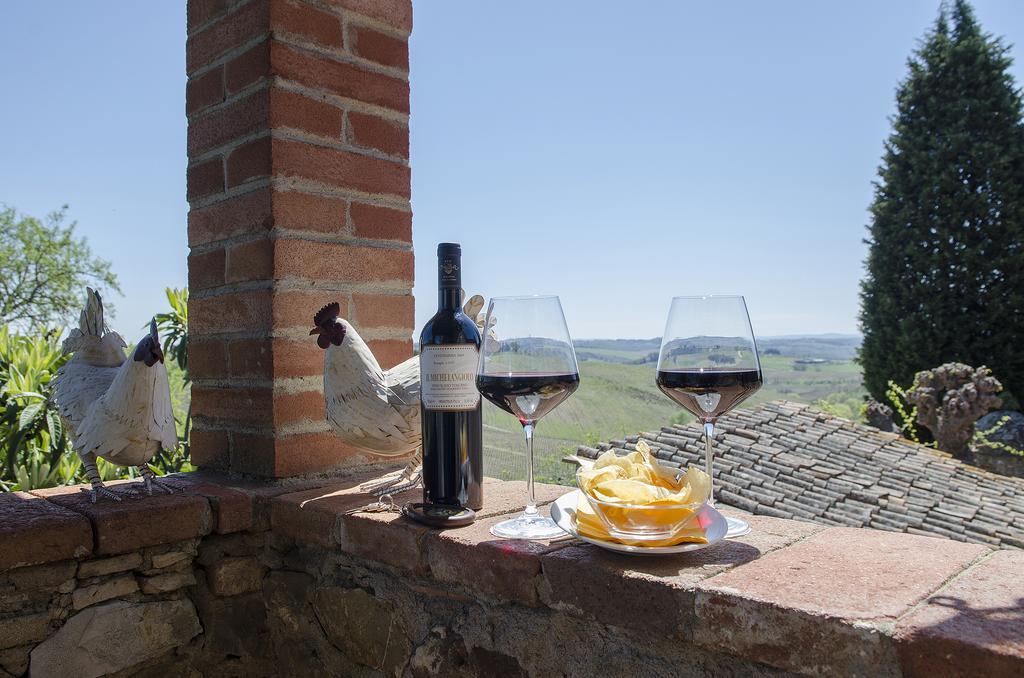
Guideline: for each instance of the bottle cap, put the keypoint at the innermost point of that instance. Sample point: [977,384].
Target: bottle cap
[449,248]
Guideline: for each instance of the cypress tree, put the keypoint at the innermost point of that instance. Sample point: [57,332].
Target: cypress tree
[945,269]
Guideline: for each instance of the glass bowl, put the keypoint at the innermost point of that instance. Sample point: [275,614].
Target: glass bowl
[642,521]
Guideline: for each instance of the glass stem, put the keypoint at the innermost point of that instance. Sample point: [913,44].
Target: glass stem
[709,433]
[531,502]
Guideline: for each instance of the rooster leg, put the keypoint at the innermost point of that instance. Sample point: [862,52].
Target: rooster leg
[413,481]
[98,490]
[405,479]
[375,485]
[152,481]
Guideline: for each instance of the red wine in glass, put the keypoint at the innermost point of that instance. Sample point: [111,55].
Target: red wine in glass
[527,396]
[707,393]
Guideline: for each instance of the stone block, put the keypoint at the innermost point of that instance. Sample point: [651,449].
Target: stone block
[24,629]
[114,636]
[364,627]
[97,593]
[165,583]
[974,626]
[104,566]
[34,531]
[234,576]
[162,560]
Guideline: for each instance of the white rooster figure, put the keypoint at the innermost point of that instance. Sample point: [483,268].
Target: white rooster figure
[115,408]
[372,409]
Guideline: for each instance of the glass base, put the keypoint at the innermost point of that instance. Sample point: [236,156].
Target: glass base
[737,528]
[528,526]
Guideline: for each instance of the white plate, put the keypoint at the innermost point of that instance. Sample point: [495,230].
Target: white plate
[563,512]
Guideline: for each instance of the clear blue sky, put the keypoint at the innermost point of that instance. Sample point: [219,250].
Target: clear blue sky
[616,155]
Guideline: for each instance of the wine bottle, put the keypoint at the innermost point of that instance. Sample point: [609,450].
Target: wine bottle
[450,405]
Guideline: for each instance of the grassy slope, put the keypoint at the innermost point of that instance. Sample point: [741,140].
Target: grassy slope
[615,399]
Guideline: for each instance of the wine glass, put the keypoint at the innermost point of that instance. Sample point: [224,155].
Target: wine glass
[708,364]
[527,368]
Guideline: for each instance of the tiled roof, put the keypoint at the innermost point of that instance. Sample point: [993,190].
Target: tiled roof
[794,461]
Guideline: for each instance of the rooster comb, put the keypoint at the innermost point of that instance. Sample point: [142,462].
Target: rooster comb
[327,314]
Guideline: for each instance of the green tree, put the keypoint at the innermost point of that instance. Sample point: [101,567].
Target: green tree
[44,269]
[945,270]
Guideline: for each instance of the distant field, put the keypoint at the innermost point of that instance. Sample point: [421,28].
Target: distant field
[616,399]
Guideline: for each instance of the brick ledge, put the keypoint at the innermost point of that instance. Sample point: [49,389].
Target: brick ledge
[793,595]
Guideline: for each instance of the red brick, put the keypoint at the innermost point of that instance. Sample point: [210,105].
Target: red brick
[207,359]
[307,212]
[33,531]
[253,454]
[288,109]
[313,453]
[136,522]
[247,311]
[251,358]
[232,509]
[276,358]
[381,223]
[380,47]
[233,29]
[318,516]
[253,260]
[246,213]
[661,588]
[318,26]
[337,168]
[816,590]
[343,79]
[208,448]
[294,408]
[378,310]
[502,570]
[370,131]
[390,352]
[249,161]
[297,358]
[204,91]
[206,178]
[341,262]
[395,13]
[201,11]
[206,270]
[236,406]
[239,119]
[297,308]
[288,455]
[974,626]
[312,515]
[247,68]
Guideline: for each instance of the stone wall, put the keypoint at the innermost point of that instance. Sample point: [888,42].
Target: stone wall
[233,578]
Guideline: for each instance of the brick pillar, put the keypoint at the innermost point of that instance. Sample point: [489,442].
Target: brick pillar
[298,187]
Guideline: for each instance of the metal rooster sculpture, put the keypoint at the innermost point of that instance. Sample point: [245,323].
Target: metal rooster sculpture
[372,409]
[115,408]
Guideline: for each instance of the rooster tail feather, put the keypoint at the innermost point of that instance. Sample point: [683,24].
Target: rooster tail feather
[91,320]
[91,326]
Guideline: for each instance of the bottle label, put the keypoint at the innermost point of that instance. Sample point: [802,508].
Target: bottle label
[448,377]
